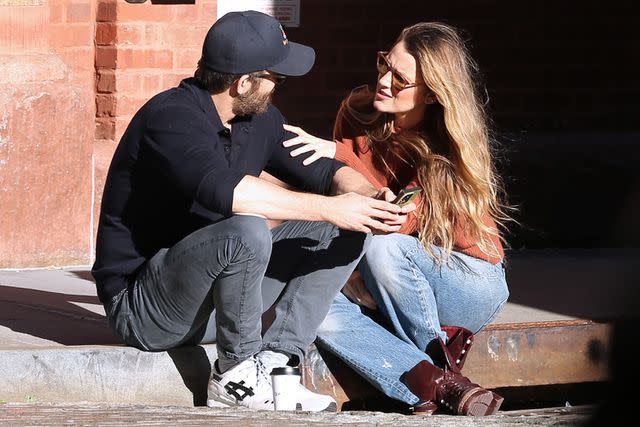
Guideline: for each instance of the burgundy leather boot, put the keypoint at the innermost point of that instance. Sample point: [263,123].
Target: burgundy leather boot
[459,341]
[448,388]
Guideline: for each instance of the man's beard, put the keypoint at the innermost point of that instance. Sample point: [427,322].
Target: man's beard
[251,102]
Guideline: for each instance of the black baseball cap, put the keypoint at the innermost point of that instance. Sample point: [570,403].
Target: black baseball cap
[244,42]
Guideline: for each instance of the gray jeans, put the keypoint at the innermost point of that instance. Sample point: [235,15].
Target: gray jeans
[299,266]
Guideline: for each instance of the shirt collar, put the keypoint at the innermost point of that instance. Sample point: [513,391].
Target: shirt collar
[209,108]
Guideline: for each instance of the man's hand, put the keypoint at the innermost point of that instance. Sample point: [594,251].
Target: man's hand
[387,195]
[352,211]
[357,292]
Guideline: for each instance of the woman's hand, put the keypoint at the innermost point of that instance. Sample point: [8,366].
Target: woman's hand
[355,290]
[321,147]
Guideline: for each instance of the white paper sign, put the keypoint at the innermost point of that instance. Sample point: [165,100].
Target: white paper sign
[285,11]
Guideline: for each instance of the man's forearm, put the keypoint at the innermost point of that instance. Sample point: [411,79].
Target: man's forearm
[258,196]
[348,180]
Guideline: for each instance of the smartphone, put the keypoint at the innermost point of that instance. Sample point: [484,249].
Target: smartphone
[406,196]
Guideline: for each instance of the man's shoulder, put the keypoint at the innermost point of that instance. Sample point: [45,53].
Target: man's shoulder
[270,120]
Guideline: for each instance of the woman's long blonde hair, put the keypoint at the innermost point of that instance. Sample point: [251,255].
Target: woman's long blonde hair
[451,152]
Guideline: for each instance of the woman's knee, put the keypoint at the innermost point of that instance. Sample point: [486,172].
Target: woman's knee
[340,316]
[386,253]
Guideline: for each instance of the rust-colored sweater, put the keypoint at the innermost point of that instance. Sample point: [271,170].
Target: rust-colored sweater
[353,150]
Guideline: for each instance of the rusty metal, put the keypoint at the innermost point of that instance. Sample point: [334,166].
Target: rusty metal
[503,355]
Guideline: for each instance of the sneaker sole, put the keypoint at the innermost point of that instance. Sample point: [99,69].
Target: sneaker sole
[211,403]
[333,407]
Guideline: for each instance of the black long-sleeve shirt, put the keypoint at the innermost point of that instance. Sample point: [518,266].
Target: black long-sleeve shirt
[174,172]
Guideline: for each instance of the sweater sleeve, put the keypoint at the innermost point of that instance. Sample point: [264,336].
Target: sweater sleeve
[346,155]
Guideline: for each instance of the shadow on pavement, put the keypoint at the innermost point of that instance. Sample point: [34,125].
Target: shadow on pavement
[53,316]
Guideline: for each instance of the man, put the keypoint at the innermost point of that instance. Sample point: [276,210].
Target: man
[183,227]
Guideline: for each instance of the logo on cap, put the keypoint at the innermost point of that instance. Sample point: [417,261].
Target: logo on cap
[284,36]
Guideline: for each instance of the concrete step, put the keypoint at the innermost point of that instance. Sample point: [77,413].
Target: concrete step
[55,344]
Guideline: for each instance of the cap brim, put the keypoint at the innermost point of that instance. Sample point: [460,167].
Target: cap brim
[298,63]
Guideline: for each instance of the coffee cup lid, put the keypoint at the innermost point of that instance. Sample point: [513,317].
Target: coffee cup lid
[285,370]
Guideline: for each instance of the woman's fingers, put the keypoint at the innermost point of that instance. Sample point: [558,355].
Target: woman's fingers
[305,148]
[312,158]
[295,129]
[293,141]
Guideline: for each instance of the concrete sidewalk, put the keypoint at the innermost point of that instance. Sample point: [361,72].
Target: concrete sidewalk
[110,415]
[55,345]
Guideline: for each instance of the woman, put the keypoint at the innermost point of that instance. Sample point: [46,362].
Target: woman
[440,279]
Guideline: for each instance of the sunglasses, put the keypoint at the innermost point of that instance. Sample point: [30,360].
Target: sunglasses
[278,79]
[398,82]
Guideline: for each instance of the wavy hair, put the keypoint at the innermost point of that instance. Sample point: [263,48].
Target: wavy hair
[451,152]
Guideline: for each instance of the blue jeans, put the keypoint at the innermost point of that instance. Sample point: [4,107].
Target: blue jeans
[415,296]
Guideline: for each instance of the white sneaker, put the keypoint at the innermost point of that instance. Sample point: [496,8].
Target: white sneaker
[246,384]
[307,400]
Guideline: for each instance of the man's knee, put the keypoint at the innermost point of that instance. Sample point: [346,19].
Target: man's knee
[252,233]
[241,236]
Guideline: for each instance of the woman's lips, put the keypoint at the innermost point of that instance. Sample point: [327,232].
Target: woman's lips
[381,95]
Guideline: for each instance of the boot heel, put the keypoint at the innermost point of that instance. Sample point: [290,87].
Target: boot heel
[495,403]
[477,404]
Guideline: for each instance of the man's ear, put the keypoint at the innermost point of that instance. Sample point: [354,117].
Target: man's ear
[242,85]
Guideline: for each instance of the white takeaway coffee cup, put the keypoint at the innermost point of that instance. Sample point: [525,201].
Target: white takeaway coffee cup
[285,382]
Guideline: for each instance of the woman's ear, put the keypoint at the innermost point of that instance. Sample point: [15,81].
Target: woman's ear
[430,98]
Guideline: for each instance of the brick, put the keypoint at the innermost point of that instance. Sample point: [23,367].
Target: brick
[106,33]
[106,56]
[56,13]
[148,11]
[152,84]
[170,80]
[128,106]
[130,34]
[186,58]
[70,35]
[78,12]
[154,33]
[105,81]
[105,128]
[79,59]
[105,105]
[128,83]
[179,36]
[183,13]
[208,12]
[106,11]
[145,58]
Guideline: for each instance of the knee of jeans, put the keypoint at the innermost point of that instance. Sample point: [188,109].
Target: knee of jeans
[338,316]
[253,233]
[385,255]
[492,302]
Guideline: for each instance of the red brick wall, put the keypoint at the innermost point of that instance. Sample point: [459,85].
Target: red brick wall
[46,131]
[141,49]
[75,71]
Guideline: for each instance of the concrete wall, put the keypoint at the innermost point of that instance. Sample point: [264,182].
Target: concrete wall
[46,131]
